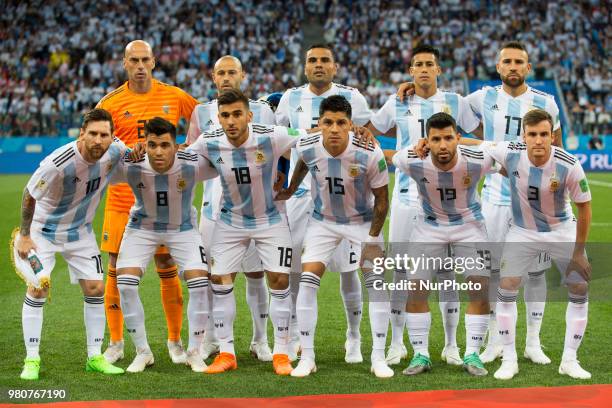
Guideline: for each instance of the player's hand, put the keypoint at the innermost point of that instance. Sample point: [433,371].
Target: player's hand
[421,149]
[137,151]
[280,180]
[580,264]
[364,135]
[24,245]
[183,146]
[284,194]
[370,252]
[405,90]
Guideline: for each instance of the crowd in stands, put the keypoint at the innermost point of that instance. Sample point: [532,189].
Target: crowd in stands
[58,59]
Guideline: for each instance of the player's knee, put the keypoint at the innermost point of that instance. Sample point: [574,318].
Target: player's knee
[579,289]
[38,293]
[164,261]
[278,281]
[254,275]
[510,283]
[93,288]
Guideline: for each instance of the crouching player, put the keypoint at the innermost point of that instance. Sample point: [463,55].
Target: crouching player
[349,180]
[59,203]
[542,178]
[163,183]
[450,213]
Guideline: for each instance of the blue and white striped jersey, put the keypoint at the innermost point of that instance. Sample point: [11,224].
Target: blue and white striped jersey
[299,109]
[342,185]
[205,117]
[248,172]
[164,202]
[501,117]
[67,190]
[409,118]
[540,194]
[447,197]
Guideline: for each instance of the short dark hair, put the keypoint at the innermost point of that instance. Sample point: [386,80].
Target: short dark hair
[324,46]
[159,126]
[232,96]
[98,115]
[440,120]
[336,103]
[425,49]
[517,45]
[535,116]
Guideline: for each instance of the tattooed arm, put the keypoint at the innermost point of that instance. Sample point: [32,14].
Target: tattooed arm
[299,173]
[25,243]
[381,207]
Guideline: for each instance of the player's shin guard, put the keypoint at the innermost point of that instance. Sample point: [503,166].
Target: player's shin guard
[398,304]
[307,311]
[506,321]
[418,325]
[197,311]
[112,305]
[350,288]
[294,287]
[535,302]
[93,313]
[576,316]
[172,300]
[133,312]
[449,309]
[210,336]
[379,307]
[257,299]
[280,314]
[224,313]
[31,320]
[493,334]
[475,330]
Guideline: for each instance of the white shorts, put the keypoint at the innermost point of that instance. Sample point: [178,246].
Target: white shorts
[82,256]
[401,225]
[272,245]
[138,246]
[467,244]
[524,246]
[250,262]
[299,210]
[323,239]
[497,220]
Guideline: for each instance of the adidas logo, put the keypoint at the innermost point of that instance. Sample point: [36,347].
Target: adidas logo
[516,174]
[408,112]
[140,185]
[210,122]
[316,168]
[76,180]
[424,180]
[127,114]
[299,109]
[220,161]
[495,107]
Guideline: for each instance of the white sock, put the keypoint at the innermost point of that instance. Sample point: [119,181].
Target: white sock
[493,334]
[95,323]
[198,311]
[31,321]
[257,299]
[506,322]
[398,305]
[133,312]
[418,325]
[378,308]
[210,335]
[294,287]
[449,309]
[475,330]
[576,316]
[535,303]
[350,288]
[280,314]
[307,312]
[224,313]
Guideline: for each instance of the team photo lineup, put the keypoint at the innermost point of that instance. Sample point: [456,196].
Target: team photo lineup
[256,202]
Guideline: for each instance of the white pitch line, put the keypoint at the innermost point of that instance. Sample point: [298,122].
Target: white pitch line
[600,183]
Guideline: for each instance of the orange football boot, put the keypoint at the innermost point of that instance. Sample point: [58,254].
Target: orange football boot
[222,363]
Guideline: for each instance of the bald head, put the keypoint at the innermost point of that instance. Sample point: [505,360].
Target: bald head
[227,73]
[138,46]
[139,62]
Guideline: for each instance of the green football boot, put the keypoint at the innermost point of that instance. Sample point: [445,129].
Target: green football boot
[473,365]
[419,364]
[31,367]
[99,364]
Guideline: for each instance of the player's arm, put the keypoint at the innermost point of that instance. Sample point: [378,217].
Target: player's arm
[25,243]
[383,121]
[558,138]
[300,171]
[381,207]
[389,155]
[579,262]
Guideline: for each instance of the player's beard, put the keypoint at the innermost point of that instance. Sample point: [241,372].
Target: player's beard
[450,157]
[514,82]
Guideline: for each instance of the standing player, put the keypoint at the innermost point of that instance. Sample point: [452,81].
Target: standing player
[542,179]
[349,189]
[132,105]
[449,213]
[163,183]
[57,211]
[408,117]
[501,109]
[299,108]
[228,74]
[246,157]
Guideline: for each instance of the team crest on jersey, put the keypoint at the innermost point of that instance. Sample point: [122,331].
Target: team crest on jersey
[554,183]
[109,167]
[354,171]
[166,109]
[260,157]
[467,180]
[41,185]
[181,184]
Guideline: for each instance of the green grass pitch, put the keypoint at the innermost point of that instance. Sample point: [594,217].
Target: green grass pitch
[63,342]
